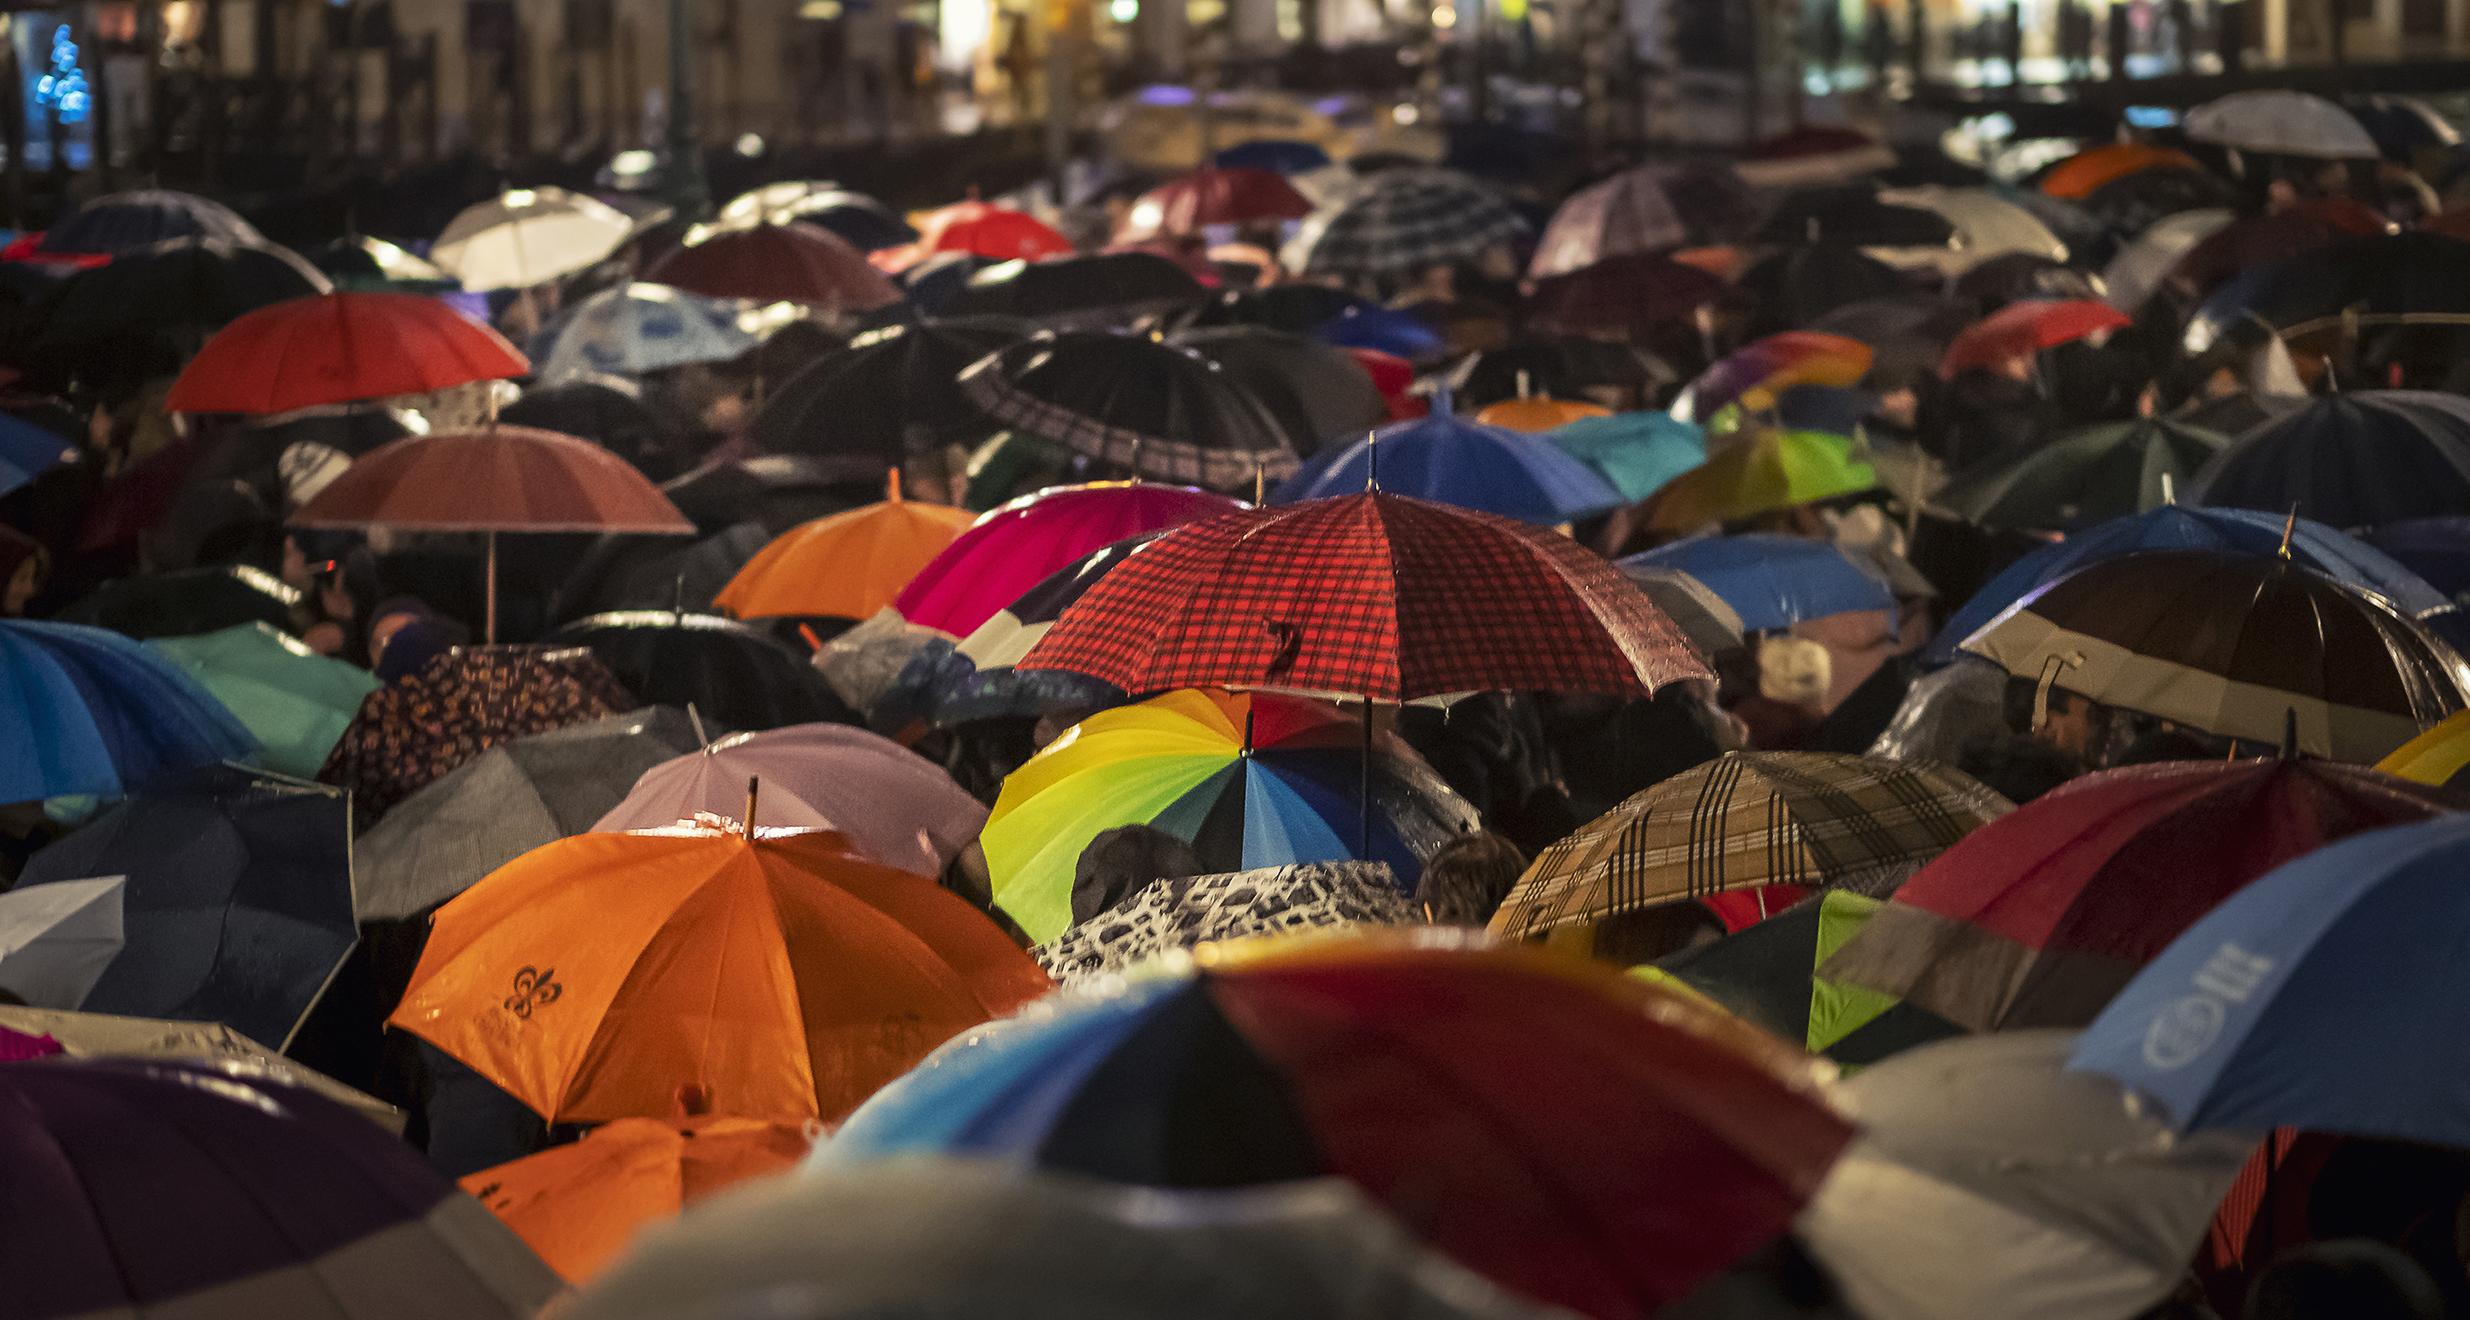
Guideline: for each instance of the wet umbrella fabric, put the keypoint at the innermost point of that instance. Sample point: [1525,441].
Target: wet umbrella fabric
[1459,462]
[2079,174]
[1636,452]
[375,265]
[2136,272]
[1626,214]
[1755,373]
[1757,471]
[1772,581]
[2021,329]
[1797,287]
[1036,289]
[1711,625]
[2378,279]
[2281,122]
[1161,411]
[1013,548]
[57,940]
[336,349]
[131,221]
[28,451]
[2114,470]
[865,222]
[1188,911]
[738,676]
[1852,217]
[848,565]
[185,602]
[980,680]
[996,232]
[1623,293]
[1317,393]
[93,712]
[609,415]
[795,262]
[295,702]
[192,283]
[502,478]
[219,1190]
[239,898]
[529,236]
[2436,549]
[887,396]
[639,328]
[2350,460]
[2437,756]
[1217,196]
[624,572]
[101,1035]
[1409,219]
[1770,973]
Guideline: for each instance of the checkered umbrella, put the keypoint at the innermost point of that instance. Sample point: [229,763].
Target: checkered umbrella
[1412,219]
[1156,409]
[1375,594]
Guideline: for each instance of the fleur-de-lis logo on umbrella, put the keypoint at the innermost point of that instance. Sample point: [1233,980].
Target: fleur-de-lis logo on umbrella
[534,988]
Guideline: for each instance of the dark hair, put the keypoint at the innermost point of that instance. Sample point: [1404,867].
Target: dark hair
[2344,1279]
[1122,861]
[1468,877]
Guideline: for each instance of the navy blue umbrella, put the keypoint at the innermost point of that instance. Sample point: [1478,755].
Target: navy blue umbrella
[1273,154]
[2437,549]
[127,221]
[28,451]
[2350,460]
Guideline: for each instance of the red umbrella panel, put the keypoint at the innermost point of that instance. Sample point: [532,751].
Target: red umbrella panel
[794,262]
[1209,196]
[2021,329]
[2037,919]
[336,348]
[997,232]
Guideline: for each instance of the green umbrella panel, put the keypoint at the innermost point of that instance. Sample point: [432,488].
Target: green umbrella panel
[294,700]
[2085,477]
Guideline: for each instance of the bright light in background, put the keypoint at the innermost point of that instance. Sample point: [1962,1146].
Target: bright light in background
[965,29]
[2151,116]
[1444,16]
[625,164]
[750,145]
[1406,114]
[1124,11]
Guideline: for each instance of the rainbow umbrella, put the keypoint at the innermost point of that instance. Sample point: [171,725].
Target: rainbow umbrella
[1013,547]
[1754,372]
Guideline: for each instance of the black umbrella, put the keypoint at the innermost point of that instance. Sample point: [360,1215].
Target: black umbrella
[1561,366]
[888,395]
[1853,216]
[198,282]
[239,898]
[128,221]
[1140,405]
[187,602]
[1764,972]
[2015,276]
[376,265]
[627,572]
[2350,460]
[1297,308]
[617,421]
[2380,279]
[2131,203]
[1798,287]
[778,490]
[931,284]
[1104,282]
[1317,393]
[729,672]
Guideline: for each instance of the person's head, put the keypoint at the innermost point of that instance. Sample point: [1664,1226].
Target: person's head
[1120,862]
[2344,1279]
[389,617]
[411,645]
[1468,878]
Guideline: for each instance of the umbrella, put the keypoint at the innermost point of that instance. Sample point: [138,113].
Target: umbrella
[738,675]
[789,976]
[1316,392]
[2041,1194]
[1465,464]
[460,704]
[2350,460]
[1284,156]
[159,1188]
[1012,548]
[1184,912]
[2021,329]
[1562,366]
[2434,757]
[1248,780]
[56,940]
[28,451]
[2402,125]
[101,1035]
[1219,195]
[1140,404]
[887,395]
[2080,174]
[2041,917]
[1063,286]
[239,900]
[624,572]
[129,221]
[1758,371]
[2436,549]
[1812,155]
[2136,272]
[1759,471]
[1798,286]
[518,795]
[581,1205]
[374,265]
[997,232]
[860,220]
[1522,1100]
[2019,276]
[611,414]
[1630,213]
[338,348]
[92,712]
[978,680]
[895,805]
[2306,229]
[850,564]
[528,236]
[1377,595]
[1401,333]
[185,282]
[777,490]
[1622,293]
[1770,972]
[1405,220]
[2283,123]
[1772,581]
[2311,998]
[1711,625]
[1635,452]
[184,602]
[638,328]
[1863,823]
[2114,470]
[1851,216]
[2238,645]
[1295,308]
[794,262]
[1529,414]
[295,702]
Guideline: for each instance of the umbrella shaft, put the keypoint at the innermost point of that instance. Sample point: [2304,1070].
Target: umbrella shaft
[489,602]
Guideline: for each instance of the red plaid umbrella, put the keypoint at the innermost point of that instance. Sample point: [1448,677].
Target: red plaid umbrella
[794,262]
[338,347]
[2021,329]
[1378,595]
[1216,197]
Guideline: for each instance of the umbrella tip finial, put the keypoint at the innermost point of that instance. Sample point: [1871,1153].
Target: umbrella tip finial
[2289,733]
[2169,489]
[1372,462]
[892,486]
[753,785]
[1524,383]
[1259,485]
[2288,528]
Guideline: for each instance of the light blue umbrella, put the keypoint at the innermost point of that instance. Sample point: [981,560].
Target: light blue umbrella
[636,328]
[1774,581]
[1635,451]
[87,711]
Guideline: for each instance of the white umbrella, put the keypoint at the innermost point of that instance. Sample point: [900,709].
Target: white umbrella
[2282,123]
[1986,226]
[635,328]
[56,939]
[1989,1181]
[1628,212]
[529,236]
[2137,271]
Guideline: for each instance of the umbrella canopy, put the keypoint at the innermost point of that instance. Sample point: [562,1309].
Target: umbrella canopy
[2242,646]
[795,262]
[1759,471]
[90,711]
[2350,460]
[623,572]
[611,414]
[2021,329]
[502,478]
[2307,228]
[356,261]
[2284,123]
[978,681]
[1405,220]
[1188,911]
[791,976]
[295,702]
[2136,272]
[188,601]
[1629,213]
[2436,549]
[1295,308]
[1759,370]
[1800,285]
[1249,780]
[886,396]
[101,1035]
[1061,286]
[239,900]
[1013,548]
[57,940]
[159,1188]
[2304,1000]
[581,1205]
[2077,176]
[1635,452]
[850,564]
[896,806]
[1588,1085]
[1863,823]
[1813,154]
[1539,412]
[1284,156]
[528,236]
[1851,216]
[460,704]
[996,232]
[1986,227]
[2402,125]
[185,282]
[1160,410]
[740,676]
[1318,393]
[1376,595]
[636,328]
[1622,293]
[2040,918]
[2436,756]
[338,348]
[2114,470]
[131,221]
[1772,581]
[1465,464]
[1770,973]
[1220,195]
[28,451]
[1711,625]
[866,224]
[518,795]
[2041,1194]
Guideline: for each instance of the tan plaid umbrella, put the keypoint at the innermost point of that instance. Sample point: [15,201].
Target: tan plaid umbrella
[1863,823]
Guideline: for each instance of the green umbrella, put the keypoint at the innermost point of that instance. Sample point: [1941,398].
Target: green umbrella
[2085,477]
[1637,452]
[1768,973]
[295,700]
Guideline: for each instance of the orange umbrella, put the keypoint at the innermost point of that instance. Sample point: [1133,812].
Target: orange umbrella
[784,977]
[2080,174]
[1538,414]
[850,564]
[580,1205]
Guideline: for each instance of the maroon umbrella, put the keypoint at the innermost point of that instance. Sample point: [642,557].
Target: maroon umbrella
[1621,292]
[794,262]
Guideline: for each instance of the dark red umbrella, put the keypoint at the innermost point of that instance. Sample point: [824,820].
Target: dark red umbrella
[2021,329]
[1620,292]
[2037,919]
[794,262]
[2260,240]
[1376,595]
[338,347]
[1210,196]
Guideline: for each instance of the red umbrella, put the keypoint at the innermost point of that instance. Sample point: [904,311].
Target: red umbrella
[2260,240]
[1620,292]
[2021,329]
[2037,919]
[338,347]
[1391,598]
[1391,375]
[1209,196]
[991,231]
[795,262]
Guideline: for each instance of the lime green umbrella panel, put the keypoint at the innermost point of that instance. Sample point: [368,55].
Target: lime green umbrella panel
[295,700]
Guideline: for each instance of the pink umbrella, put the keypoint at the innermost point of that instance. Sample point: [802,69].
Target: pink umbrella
[1015,547]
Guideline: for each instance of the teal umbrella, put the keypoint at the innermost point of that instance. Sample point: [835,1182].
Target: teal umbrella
[295,700]
[1636,451]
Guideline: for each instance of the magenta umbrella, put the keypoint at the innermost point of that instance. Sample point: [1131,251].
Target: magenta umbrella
[1016,546]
